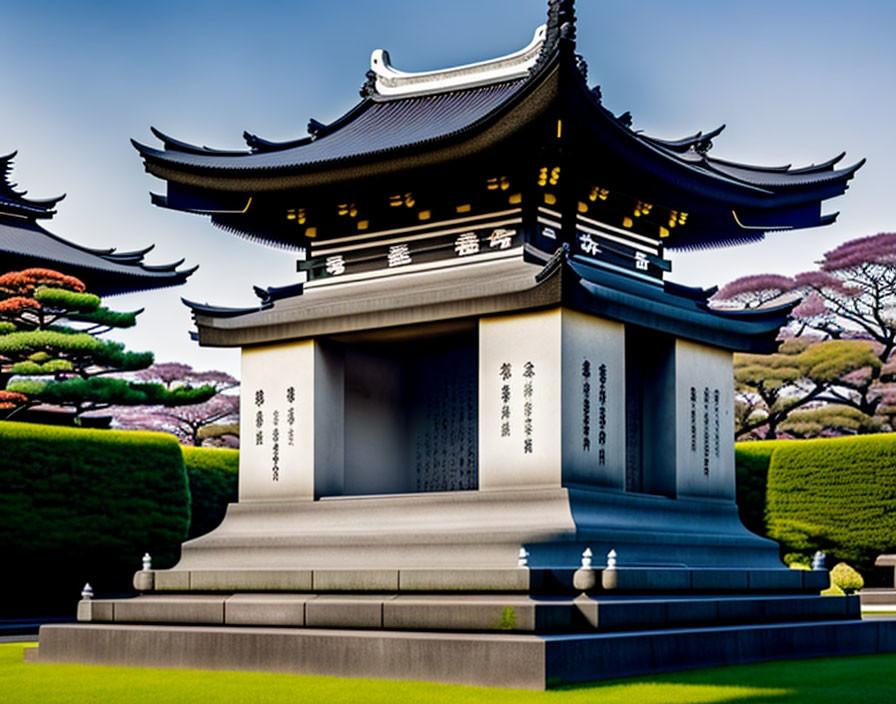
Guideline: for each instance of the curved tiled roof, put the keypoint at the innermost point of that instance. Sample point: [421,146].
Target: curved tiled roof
[377,126]
[373,127]
[25,244]
[387,133]
[14,202]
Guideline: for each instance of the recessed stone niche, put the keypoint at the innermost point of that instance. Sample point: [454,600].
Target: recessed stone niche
[387,412]
[411,409]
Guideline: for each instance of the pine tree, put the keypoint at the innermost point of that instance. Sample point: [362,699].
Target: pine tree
[51,351]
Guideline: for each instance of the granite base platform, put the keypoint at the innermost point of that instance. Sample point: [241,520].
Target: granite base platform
[497,660]
[493,639]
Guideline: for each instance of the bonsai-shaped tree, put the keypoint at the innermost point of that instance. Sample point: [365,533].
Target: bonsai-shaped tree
[770,387]
[51,351]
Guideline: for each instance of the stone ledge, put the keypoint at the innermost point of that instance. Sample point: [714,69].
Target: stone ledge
[585,658]
[469,612]
[265,609]
[504,660]
[186,608]
[464,580]
[498,660]
[355,580]
[510,579]
[356,611]
[878,596]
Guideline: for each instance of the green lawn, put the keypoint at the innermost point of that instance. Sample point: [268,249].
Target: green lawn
[865,679]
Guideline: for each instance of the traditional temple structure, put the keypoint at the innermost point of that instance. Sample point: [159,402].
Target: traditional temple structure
[24,244]
[482,386]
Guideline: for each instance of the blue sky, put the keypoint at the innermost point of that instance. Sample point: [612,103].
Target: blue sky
[794,81]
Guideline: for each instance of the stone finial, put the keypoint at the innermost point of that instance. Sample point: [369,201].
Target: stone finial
[87,592]
[586,559]
[523,558]
[369,87]
[818,560]
[611,560]
[560,26]
[147,561]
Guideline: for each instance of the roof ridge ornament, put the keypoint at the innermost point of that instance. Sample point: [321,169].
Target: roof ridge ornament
[388,82]
[560,25]
[13,202]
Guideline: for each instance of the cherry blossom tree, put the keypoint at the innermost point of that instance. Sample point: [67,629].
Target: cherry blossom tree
[753,291]
[857,283]
[214,421]
[850,298]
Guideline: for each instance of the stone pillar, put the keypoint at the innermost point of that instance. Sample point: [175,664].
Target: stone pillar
[519,401]
[291,422]
[543,379]
[704,393]
[593,401]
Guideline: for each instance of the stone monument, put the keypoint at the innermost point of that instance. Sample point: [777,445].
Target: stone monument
[484,440]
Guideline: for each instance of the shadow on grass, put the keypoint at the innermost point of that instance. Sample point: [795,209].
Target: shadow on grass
[864,678]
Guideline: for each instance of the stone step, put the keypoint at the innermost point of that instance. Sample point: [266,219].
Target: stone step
[489,659]
[514,579]
[587,657]
[880,597]
[607,613]
[489,612]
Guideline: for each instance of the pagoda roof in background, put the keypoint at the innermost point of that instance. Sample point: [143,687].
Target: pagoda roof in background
[408,120]
[24,244]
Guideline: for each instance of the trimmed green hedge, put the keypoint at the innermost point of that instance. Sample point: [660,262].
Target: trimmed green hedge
[751,460]
[837,495]
[213,484]
[84,505]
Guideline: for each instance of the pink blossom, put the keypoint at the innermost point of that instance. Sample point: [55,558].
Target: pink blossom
[821,280]
[876,249]
[810,307]
[752,291]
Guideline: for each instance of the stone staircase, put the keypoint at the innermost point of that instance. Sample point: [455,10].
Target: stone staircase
[515,627]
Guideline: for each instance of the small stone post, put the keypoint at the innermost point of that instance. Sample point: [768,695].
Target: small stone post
[584,578]
[144,580]
[610,577]
[586,558]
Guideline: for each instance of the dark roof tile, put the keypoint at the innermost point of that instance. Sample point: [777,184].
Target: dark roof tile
[378,126]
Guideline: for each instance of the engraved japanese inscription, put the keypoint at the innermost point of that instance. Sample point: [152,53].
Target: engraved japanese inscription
[528,375]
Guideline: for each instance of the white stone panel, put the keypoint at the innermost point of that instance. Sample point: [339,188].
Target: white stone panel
[287,414]
[704,392]
[519,401]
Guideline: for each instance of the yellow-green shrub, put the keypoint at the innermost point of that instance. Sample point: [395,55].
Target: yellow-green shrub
[751,460]
[833,590]
[213,484]
[836,495]
[846,578]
